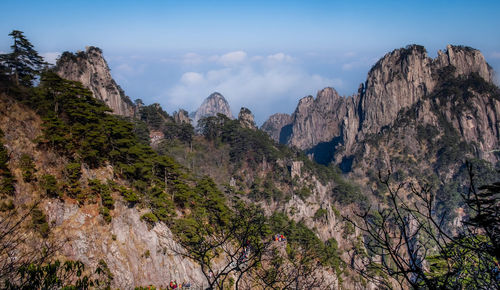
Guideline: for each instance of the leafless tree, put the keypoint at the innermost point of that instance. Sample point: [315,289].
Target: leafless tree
[299,268]
[17,248]
[226,250]
[410,243]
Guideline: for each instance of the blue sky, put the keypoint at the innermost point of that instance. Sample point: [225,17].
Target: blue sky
[264,55]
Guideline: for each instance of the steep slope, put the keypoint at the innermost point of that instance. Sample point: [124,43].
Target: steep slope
[91,69]
[136,253]
[211,106]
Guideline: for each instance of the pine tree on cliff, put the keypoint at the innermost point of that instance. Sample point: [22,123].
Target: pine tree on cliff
[24,63]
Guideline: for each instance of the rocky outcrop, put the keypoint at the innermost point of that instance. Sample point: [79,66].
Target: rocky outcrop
[90,68]
[330,124]
[322,119]
[246,119]
[213,105]
[136,255]
[274,124]
[404,76]
[182,116]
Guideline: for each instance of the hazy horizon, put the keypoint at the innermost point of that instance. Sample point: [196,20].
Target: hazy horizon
[263,55]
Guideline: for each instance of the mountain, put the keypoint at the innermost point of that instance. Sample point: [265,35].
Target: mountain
[211,106]
[91,69]
[329,127]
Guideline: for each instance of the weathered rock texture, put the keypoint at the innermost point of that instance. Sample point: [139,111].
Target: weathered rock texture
[181,116]
[213,105]
[90,68]
[136,255]
[404,76]
[274,124]
[246,119]
[330,125]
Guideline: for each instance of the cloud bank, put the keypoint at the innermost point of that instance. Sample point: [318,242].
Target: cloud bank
[264,84]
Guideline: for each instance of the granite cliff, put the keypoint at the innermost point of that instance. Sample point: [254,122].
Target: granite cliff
[91,69]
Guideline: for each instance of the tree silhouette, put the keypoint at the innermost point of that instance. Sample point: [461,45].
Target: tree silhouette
[23,64]
[411,244]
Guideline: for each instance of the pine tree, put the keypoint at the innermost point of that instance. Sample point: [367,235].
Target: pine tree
[23,64]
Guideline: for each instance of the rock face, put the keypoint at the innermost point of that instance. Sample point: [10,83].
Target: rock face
[320,120]
[213,105]
[404,76]
[136,255]
[329,124]
[246,119]
[274,124]
[182,116]
[90,68]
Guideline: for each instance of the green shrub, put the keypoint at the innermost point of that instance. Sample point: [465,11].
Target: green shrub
[104,192]
[106,214]
[348,230]
[73,172]
[321,213]
[7,205]
[39,222]
[336,212]
[50,187]
[27,167]
[129,195]
[7,180]
[304,192]
[149,218]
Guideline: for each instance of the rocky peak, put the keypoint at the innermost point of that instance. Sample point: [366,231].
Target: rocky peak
[90,68]
[182,116]
[403,76]
[246,119]
[466,60]
[273,126]
[319,120]
[213,105]
[327,97]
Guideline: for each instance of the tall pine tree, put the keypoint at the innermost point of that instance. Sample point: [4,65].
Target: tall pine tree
[23,64]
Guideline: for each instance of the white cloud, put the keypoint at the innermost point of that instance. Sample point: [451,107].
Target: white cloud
[192,58]
[51,57]
[233,58]
[263,89]
[280,57]
[192,78]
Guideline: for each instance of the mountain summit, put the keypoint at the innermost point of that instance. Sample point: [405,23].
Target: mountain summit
[213,105]
[91,69]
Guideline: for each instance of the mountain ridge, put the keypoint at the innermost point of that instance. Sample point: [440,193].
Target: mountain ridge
[398,80]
